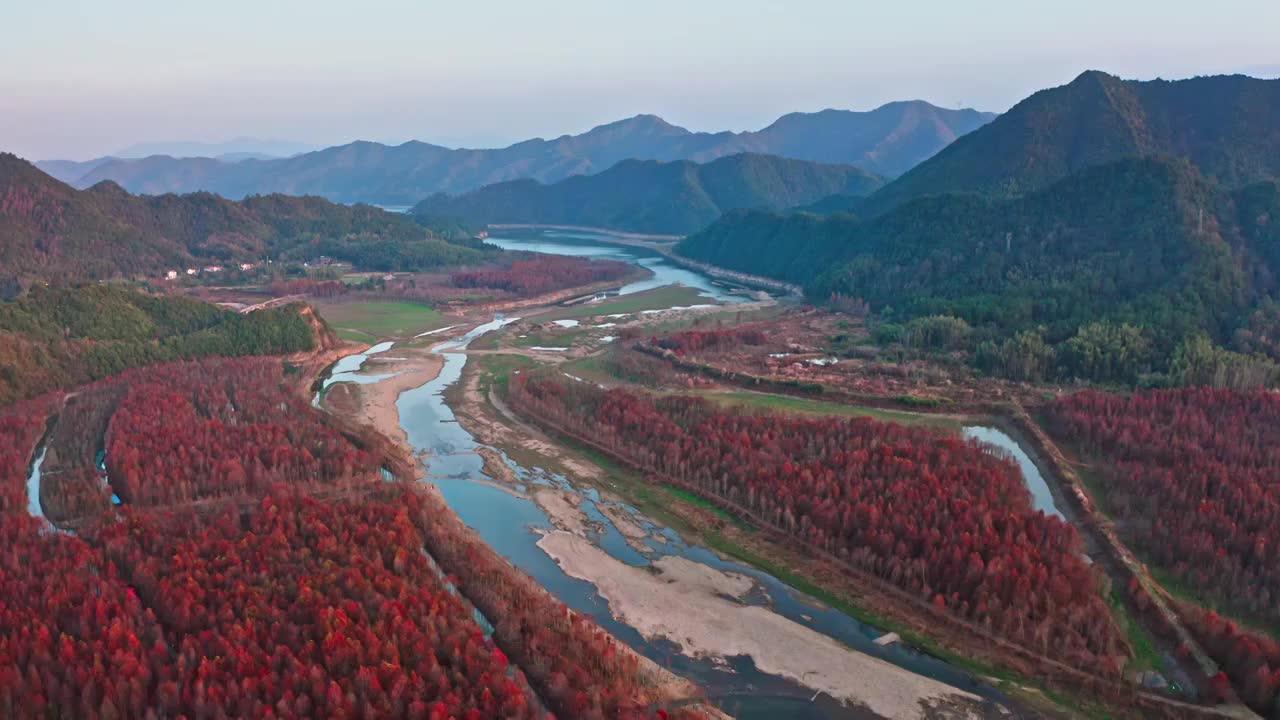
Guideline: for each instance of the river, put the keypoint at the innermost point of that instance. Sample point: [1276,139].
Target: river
[33,483]
[513,524]
[1041,496]
[585,244]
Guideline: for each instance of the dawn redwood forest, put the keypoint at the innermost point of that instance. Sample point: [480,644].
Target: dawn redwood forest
[456,385]
[935,516]
[304,598]
[543,274]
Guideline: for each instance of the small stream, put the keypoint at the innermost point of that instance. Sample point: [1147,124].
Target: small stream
[33,483]
[1041,496]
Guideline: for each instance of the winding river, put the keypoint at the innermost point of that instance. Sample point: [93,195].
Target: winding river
[584,244]
[513,524]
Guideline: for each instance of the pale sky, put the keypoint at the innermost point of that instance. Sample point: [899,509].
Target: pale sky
[81,79]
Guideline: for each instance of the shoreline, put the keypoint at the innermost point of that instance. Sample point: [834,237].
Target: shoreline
[376,407]
[485,415]
[713,613]
[623,234]
[377,401]
[664,245]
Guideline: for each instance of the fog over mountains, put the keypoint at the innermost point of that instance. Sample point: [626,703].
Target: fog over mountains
[886,141]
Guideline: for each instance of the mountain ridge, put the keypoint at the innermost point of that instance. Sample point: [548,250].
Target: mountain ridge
[1227,125]
[885,140]
[652,196]
[55,233]
[1147,242]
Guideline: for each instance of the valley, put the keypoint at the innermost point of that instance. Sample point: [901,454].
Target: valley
[581,523]
[907,412]
[560,521]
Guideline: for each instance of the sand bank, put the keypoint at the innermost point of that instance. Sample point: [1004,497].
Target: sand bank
[564,508]
[712,623]
[377,401]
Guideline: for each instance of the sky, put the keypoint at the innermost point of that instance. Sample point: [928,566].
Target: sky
[82,79]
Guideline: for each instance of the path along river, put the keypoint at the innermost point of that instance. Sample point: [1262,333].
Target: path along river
[759,647]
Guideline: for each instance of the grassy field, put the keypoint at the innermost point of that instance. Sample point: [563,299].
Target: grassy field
[656,299]
[371,321]
[561,339]
[787,403]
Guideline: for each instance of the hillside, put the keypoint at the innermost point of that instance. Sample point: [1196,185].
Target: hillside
[656,197]
[57,339]
[53,232]
[1227,126]
[887,140]
[1124,243]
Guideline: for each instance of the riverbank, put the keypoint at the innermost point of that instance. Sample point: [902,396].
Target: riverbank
[713,613]
[664,245]
[375,404]
[481,411]
[622,234]
[377,401]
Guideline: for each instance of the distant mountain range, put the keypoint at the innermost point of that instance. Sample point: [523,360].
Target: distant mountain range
[237,147]
[651,196]
[1228,126]
[231,151]
[55,233]
[885,141]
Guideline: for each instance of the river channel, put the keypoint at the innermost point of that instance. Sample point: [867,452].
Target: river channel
[513,524]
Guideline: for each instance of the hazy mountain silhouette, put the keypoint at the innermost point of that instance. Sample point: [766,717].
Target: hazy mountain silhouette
[886,140]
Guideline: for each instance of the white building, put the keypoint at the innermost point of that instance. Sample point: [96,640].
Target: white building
[172,275]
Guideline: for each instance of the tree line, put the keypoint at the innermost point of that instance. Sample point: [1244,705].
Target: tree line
[934,515]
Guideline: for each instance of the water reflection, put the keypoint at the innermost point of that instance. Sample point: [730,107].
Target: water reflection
[1041,496]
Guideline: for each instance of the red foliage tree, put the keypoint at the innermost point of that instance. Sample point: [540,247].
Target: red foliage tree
[690,341]
[188,431]
[1194,477]
[931,514]
[543,274]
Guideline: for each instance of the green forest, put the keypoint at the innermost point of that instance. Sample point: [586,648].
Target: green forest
[59,338]
[1224,125]
[656,197]
[1054,280]
[57,234]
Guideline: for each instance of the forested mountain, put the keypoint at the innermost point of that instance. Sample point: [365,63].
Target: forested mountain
[1228,126]
[887,141]
[50,231]
[654,196]
[831,204]
[56,339]
[1145,242]
[69,171]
